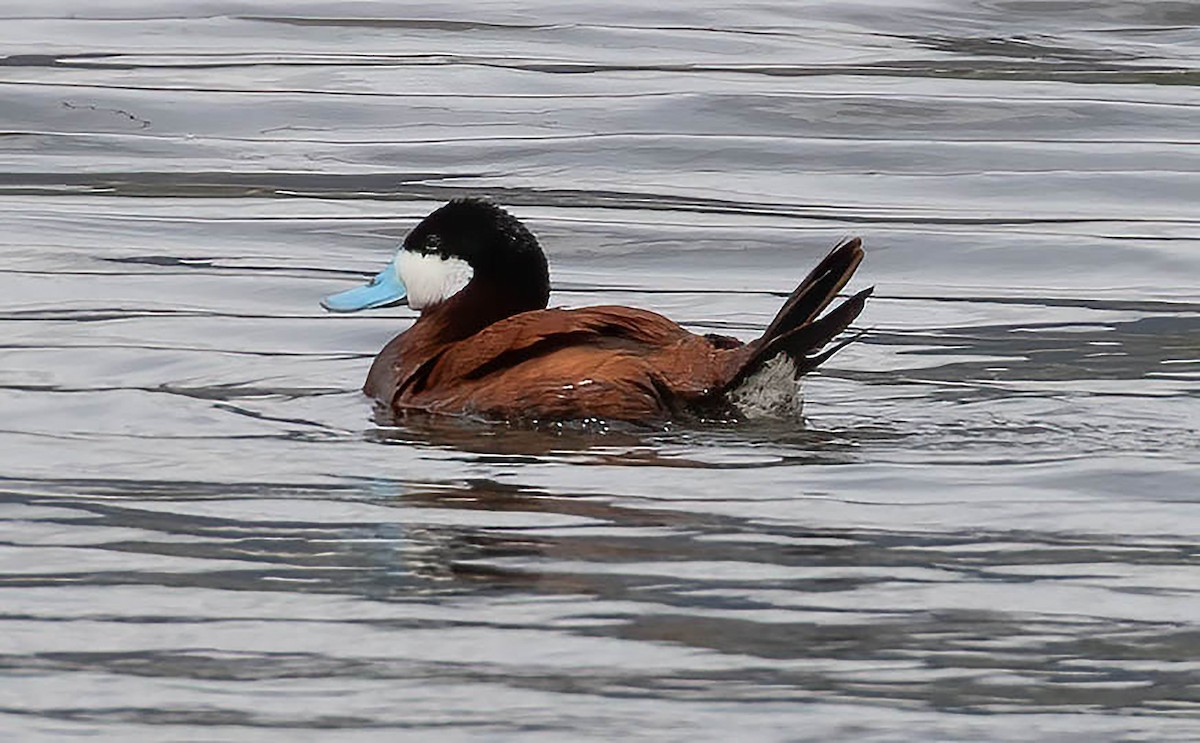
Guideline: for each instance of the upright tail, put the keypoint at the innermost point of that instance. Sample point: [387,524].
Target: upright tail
[797,329]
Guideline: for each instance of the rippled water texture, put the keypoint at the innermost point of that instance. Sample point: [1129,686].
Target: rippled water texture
[986,531]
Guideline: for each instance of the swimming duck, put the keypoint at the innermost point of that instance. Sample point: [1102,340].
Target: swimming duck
[486,345]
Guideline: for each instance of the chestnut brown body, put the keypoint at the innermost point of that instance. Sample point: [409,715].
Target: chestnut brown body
[615,363]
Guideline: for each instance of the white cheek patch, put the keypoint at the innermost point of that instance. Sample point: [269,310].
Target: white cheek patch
[431,278]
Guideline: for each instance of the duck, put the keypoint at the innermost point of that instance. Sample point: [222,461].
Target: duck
[486,344]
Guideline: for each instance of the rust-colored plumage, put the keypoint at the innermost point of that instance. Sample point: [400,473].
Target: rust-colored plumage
[484,350]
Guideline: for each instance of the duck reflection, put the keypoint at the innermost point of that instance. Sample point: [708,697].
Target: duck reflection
[700,445]
[793,612]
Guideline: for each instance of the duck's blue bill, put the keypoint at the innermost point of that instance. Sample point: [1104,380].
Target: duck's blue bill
[383,290]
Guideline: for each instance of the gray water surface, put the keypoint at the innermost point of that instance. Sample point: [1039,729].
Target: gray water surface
[986,530]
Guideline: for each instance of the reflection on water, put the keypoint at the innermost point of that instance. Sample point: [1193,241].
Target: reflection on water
[982,530]
[967,622]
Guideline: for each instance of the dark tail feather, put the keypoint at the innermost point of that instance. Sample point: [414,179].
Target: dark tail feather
[817,289]
[812,362]
[796,329]
[801,343]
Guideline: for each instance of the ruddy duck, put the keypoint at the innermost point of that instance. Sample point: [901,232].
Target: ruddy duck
[486,345]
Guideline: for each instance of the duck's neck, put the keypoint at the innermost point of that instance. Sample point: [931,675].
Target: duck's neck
[471,310]
[476,307]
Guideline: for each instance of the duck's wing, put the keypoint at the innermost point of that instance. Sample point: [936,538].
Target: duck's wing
[531,335]
[608,362]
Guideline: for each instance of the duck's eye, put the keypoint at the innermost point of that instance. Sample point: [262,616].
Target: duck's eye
[433,244]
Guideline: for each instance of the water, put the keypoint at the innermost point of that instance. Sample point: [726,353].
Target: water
[986,531]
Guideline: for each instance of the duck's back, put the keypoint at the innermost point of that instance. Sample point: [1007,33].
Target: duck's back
[608,362]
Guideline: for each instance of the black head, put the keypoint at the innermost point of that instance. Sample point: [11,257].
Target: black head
[498,248]
[469,249]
